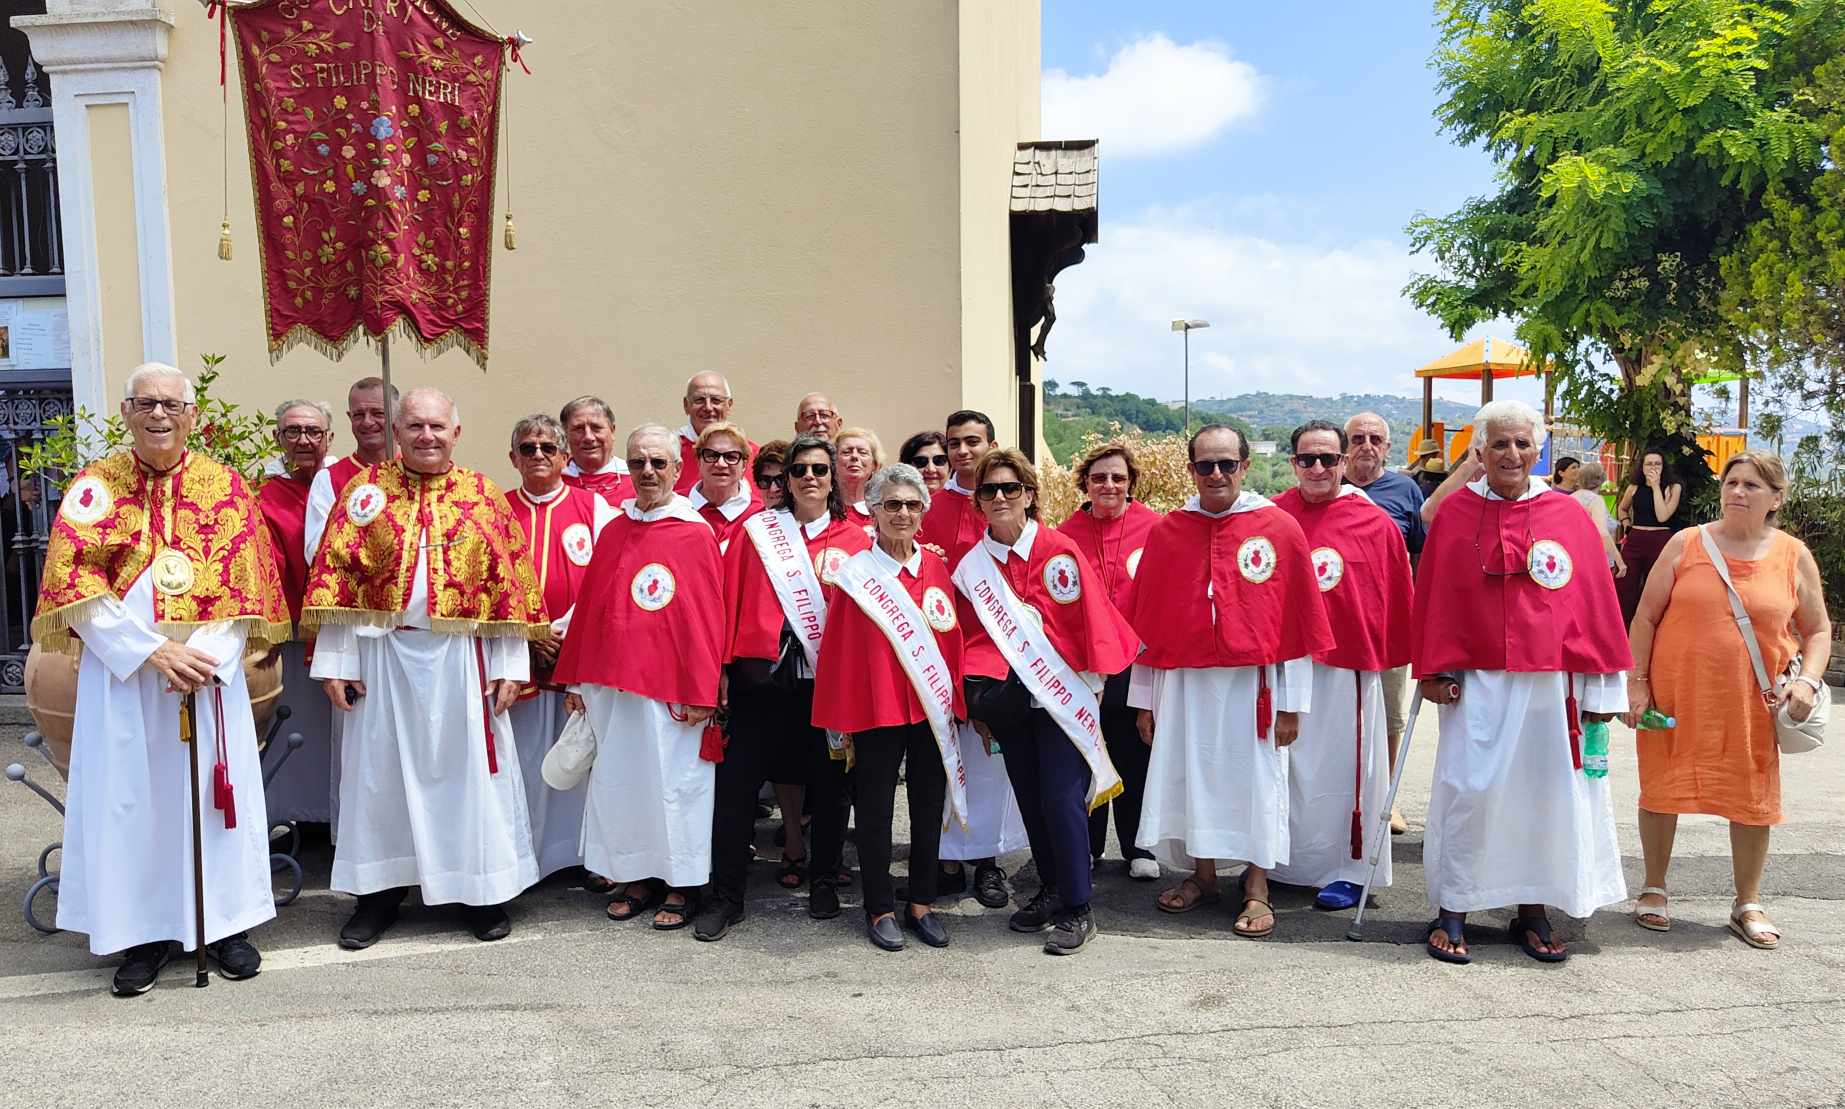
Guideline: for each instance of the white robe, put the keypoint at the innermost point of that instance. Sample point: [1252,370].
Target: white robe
[1321,765]
[556,818]
[650,796]
[417,805]
[303,790]
[994,824]
[127,874]
[1511,820]
[1214,790]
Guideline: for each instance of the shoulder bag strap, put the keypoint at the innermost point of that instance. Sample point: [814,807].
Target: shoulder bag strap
[1743,623]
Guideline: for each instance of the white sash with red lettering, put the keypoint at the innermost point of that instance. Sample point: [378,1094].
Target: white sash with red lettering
[889,607]
[778,541]
[1056,688]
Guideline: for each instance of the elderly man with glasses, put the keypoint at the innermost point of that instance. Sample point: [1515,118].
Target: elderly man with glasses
[817,415]
[707,401]
[1226,604]
[561,523]
[158,560]
[1338,766]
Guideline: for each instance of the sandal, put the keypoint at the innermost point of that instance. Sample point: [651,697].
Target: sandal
[636,898]
[1652,917]
[1524,927]
[596,883]
[1752,931]
[1453,926]
[683,911]
[1245,915]
[793,873]
[1201,896]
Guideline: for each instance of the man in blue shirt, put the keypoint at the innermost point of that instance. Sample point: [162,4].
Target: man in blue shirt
[1367,467]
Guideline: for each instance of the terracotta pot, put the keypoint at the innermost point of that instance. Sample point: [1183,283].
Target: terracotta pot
[51,695]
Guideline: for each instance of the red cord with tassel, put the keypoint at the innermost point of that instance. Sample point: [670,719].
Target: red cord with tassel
[1358,771]
[1575,723]
[1265,704]
[480,661]
[223,797]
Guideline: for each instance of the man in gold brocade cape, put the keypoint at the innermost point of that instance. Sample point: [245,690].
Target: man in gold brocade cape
[160,564]
[425,600]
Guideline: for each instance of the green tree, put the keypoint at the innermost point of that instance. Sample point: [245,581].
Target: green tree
[1637,141]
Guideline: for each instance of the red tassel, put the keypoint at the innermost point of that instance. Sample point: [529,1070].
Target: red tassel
[1358,835]
[1265,704]
[1358,767]
[711,742]
[480,661]
[1569,709]
[225,796]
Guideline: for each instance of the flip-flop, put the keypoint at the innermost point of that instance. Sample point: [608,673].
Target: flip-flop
[1523,927]
[1641,912]
[1455,928]
[1206,896]
[1337,896]
[1244,914]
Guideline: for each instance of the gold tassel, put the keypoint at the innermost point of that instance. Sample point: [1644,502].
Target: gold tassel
[512,242]
[224,241]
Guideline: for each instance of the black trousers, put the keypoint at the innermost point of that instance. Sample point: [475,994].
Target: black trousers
[772,738]
[1050,780]
[879,752]
[1130,756]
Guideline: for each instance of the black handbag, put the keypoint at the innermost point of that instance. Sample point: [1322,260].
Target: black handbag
[784,673]
[1004,706]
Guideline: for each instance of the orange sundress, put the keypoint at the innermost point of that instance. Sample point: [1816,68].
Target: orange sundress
[1721,759]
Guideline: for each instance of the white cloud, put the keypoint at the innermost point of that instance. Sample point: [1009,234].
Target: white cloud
[1286,317]
[1156,96]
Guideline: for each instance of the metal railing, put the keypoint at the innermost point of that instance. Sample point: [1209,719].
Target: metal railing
[31,231]
[26,507]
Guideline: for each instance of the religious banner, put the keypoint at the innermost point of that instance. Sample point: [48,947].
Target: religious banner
[372,129]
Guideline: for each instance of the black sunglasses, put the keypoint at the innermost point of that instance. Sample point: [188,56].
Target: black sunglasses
[649,463]
[802,469]
[768,482]
[530,450]
[1306,461]
[1225,466]
[1011,490]
[922,460]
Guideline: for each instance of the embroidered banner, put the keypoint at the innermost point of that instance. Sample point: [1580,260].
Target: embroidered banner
[372,129]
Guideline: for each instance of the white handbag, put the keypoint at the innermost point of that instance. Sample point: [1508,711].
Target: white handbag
[1793,736]
[568,761]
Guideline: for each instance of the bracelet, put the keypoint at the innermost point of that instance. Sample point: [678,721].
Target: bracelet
[1815,683]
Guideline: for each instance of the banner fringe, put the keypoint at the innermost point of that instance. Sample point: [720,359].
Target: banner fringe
[301,335]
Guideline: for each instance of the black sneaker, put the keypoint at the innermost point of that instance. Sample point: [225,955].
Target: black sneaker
[715,919]
[990,887]
[823,901]
[373,917]
[236,956]
[1039,913]
[140,968]
[1073,930]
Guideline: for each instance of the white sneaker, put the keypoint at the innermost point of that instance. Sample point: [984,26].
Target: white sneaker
[1145,870]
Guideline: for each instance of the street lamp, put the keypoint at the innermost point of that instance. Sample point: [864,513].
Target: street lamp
[1188,326]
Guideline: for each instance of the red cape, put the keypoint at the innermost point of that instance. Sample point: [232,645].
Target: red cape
[613,488]
[1193,567]
[754,627]
[726,529]
[1113,546]
[859,685]
[283,498]
[555,543]
[688,465]
[1362,569]
[952,523]
[341,472]
[1086,631]
[1467,619]
[669,651]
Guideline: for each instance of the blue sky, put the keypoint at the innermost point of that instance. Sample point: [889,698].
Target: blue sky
[1259,164]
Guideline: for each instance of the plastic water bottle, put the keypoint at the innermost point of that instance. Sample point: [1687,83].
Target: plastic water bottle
[1595,749]
[1654,720]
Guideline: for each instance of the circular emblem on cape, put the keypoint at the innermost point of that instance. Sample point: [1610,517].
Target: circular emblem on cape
[1061,579]
[172,572]
[364,504]
[86,501]
[827,563]
[1133,561]
[653,587]
[938,609]
[579,544]
[1328,567]
[1255,559]
[1549,564]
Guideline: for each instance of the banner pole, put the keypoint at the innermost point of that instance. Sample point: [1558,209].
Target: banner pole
[390,410]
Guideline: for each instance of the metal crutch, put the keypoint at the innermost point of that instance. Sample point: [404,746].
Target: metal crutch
[1356,932]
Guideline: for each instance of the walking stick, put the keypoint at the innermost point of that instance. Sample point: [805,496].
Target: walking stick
[189,735]
[1356,932]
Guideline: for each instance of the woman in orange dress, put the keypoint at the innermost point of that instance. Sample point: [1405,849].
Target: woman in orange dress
[1691,663]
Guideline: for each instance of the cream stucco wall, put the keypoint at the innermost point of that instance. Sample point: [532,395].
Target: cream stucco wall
[803,195]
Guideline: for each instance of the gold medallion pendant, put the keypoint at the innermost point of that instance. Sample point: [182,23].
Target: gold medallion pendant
[172,572]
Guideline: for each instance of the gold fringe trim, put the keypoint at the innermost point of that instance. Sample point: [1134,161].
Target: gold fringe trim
[302,335]
[262,632]
[1105,797]
[51,630]
[315,618]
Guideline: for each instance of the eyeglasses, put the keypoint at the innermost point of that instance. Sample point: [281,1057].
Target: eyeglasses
[698,399]
[304,434]
[1307,461]
[1506,568]
[922,460]
[769,481]
[820,417]
[1011,490]
[1108,479]
[1370,437]
[711,457]
[1225,466]
[898,508]
[802,469]
[531,450]
[144,405]
[649,463]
